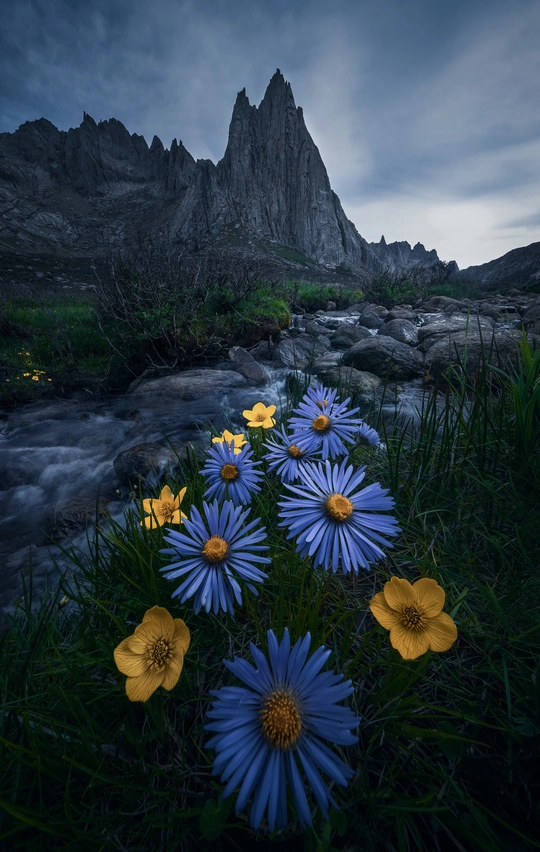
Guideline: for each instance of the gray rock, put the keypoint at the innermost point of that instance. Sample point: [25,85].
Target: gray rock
[385,357]
[138,462]
[379,310]
[493,312]
[400,329]
[192,384]
[73,515]
[347,335]
[299,352]
[369,319]
[327,361]
[531,317]
[352,382]
[401,313]
[315,329]
[441,303]
[449,325]
[263,351]
[499,346]
[247,366]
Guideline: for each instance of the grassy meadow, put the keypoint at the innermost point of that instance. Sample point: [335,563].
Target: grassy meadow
[448,750]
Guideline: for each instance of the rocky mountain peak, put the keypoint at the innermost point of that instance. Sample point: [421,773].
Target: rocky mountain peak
[96,183]
[157,144]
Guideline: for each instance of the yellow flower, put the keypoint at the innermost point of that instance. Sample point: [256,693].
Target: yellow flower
[166,510]
[260,415]
[35,378]
[413,616]
[237,440]
[27,374]
[154,655]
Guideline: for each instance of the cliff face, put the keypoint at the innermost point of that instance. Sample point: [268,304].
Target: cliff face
[72,193]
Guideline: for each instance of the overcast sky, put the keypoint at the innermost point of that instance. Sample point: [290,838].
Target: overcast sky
[426,112]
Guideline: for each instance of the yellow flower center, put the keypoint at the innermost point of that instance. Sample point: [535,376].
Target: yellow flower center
[321,423]
[338,507]
[412,618]
[281,723]
[229,471]
[167,509]
[295,452]
[215,549]
[159,654]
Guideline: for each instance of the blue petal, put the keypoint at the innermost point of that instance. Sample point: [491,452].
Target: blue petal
[298,791]
[269,779]
[256,769]
[317,785]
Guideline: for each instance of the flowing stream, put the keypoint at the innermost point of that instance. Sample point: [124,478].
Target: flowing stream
[53,452]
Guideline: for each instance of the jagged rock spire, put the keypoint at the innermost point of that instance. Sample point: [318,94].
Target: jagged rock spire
[271,177]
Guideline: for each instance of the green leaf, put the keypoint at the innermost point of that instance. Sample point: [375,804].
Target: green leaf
[338,821]
[213,818]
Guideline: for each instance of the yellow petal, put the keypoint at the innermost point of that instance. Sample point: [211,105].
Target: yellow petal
[398,593]
[429,595]
[129,663]
[248,414]
[146,635]
[141,688]
[162,619]
[173,670]
[411,644]
[441,632]
[177,517]
[149,522]
[182,636]
[155,508]
[387,617]
[178,499]
[166,494]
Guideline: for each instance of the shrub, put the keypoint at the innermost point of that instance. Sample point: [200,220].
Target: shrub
[177,308]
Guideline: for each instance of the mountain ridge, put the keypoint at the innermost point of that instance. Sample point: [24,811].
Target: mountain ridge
[77,192]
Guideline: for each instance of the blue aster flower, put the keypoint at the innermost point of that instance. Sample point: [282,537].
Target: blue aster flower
[231,475]
[270,734]
[322,396]
[367,435]
[285,457]
[333,522]
[215,555]
[323,423]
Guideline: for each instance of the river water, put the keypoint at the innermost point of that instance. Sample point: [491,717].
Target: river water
[54,451]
